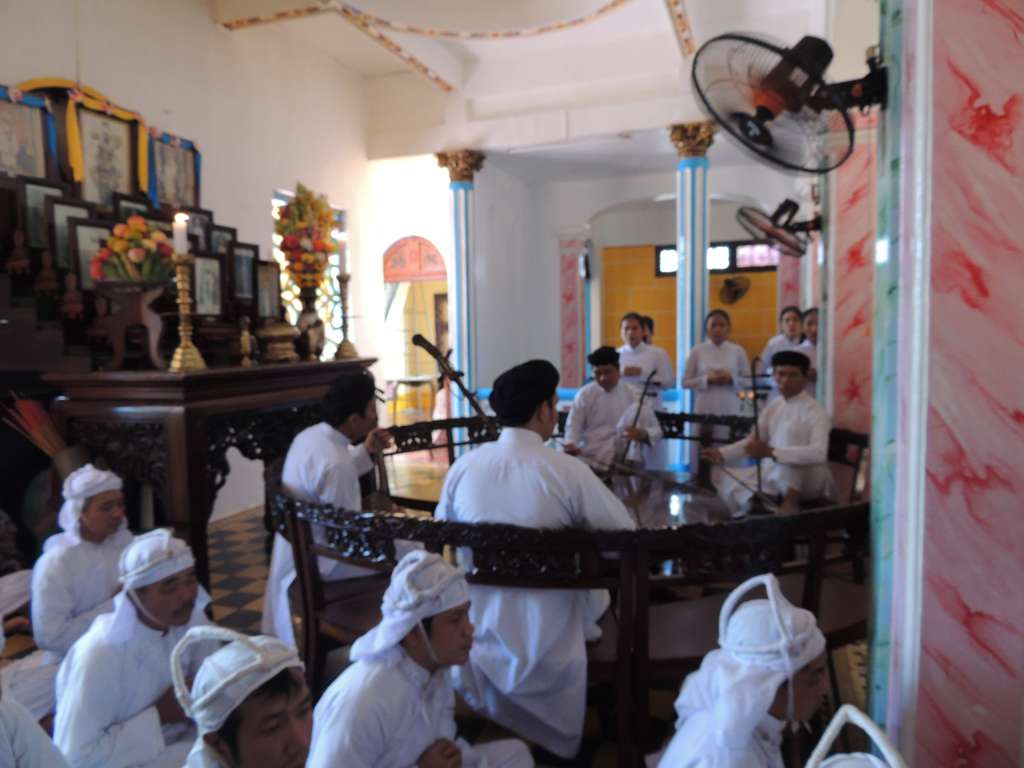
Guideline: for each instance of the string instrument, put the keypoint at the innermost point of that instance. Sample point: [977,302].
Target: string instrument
[757,506]
[447,371]
[636,417]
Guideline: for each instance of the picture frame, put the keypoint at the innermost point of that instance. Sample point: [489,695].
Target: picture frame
[200,223]
[130,205]
[174,171]
[209,294]
[244,258]
[28,136]
[221,238]
[109,155]
[85,237]
[59,210]
[268,290]
[32,194]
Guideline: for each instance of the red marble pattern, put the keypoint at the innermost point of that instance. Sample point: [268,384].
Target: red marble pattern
[972,664]
[788,280]
[853,302]
[571,312]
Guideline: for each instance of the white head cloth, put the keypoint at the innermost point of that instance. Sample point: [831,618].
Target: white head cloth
[151,557]
[229,675]
[850,714]
[422,585]
[763,643]
[80,486]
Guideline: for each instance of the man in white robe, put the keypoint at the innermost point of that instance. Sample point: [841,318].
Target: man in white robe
[528,667]
[638,359]
[601,420]
[73,582]
[249,700]
[23,743]
[323,466]
[395,705]
[793,446]
[770,668]
[115,702]
[847,715]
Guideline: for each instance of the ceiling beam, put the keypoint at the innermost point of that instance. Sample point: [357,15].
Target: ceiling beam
[241,14]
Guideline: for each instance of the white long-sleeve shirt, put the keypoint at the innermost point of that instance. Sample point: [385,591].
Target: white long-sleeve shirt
[528,666]
[107,689]
[797,429]
[598,417]
[647,359]
[23,744]
[695,746]
[385,713]
[810,349]
[719,399]
[322,466]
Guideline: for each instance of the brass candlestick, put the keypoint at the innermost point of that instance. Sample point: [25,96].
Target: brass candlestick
[346,349]
[186,356]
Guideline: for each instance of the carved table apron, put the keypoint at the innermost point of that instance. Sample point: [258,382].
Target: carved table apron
[173,430]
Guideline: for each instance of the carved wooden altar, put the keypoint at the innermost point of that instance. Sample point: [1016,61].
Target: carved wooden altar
[173,430]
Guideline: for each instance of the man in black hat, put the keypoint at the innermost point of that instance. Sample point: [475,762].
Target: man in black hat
[792,449]
[528,667]
[603,415]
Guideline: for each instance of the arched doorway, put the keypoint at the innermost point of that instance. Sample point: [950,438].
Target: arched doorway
[416,301]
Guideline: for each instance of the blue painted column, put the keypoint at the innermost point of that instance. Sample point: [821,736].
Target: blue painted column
[462,165]
[692,140]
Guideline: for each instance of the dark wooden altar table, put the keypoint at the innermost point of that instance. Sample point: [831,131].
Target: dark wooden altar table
[173,430]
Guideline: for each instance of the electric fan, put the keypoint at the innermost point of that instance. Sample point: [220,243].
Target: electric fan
[779,228]
[775,100]
[733,289]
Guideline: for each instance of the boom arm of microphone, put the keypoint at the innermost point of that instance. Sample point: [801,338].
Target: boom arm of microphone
[447,370]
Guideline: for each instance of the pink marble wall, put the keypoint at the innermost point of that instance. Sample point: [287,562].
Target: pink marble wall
[852,302]
[788,281]
[570,311]
[972,661]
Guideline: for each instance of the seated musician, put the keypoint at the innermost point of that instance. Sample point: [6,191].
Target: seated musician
[323,466]
[528,667]
[601,420]
[73,582]
[792,449]
[770,669]
[395,705]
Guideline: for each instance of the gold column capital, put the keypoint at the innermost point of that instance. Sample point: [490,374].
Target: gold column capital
[461,163]
[692,139]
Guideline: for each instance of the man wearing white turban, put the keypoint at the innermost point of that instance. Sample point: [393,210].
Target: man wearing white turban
[850,714]
[73,582]
[115,702]
[23,744]
[394,707]
[249,701]
[769,669]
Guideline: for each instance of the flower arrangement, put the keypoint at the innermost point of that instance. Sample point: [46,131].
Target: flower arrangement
[134,252]
[305,226]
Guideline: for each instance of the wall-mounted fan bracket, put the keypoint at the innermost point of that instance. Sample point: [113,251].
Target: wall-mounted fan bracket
[869,91]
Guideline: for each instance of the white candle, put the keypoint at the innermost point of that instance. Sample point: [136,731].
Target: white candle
[343,258]
[180,229]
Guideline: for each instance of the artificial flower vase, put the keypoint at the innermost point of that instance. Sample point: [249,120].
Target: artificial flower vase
[310,343]
[130,306]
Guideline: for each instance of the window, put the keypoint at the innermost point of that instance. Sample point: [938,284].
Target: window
[730,256]
[328,297]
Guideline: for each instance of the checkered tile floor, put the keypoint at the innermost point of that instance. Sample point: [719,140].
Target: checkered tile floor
[238,570]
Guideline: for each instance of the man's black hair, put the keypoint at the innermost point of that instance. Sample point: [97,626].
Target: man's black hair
[792,357]
[282,685]
[350,393]
[787,310]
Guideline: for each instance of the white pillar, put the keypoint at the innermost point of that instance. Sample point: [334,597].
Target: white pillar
[461,166]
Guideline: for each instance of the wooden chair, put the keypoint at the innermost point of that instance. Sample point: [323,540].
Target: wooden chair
[846,450]
[504,556]
[672,638]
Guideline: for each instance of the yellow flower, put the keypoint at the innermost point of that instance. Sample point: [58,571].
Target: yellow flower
[149,245]
[117,245]
[157,236]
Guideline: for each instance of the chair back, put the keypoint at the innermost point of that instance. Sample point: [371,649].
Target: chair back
[674,426]
[846,452]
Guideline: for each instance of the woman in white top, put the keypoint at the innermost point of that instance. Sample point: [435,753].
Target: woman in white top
[715,371]
[809,346]
[788,340]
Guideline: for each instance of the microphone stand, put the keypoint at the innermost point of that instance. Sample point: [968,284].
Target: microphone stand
[757,506]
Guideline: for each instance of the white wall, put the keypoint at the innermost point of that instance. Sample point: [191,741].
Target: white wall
[265,111]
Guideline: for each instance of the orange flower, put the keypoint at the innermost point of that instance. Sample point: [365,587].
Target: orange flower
[137,223]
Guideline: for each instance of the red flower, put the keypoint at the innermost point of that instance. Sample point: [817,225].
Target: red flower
[103,254]
[96,269]
[319,246]
[290,243]
[164,249]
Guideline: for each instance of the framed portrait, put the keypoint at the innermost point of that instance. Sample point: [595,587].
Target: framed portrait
[32,194]
[268,289]
[28,136]
[221,238]
[175,167]
[244,258]
[59,210]
[85,237]
[108,153]
[208,286]
[200,223]
[130,205]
